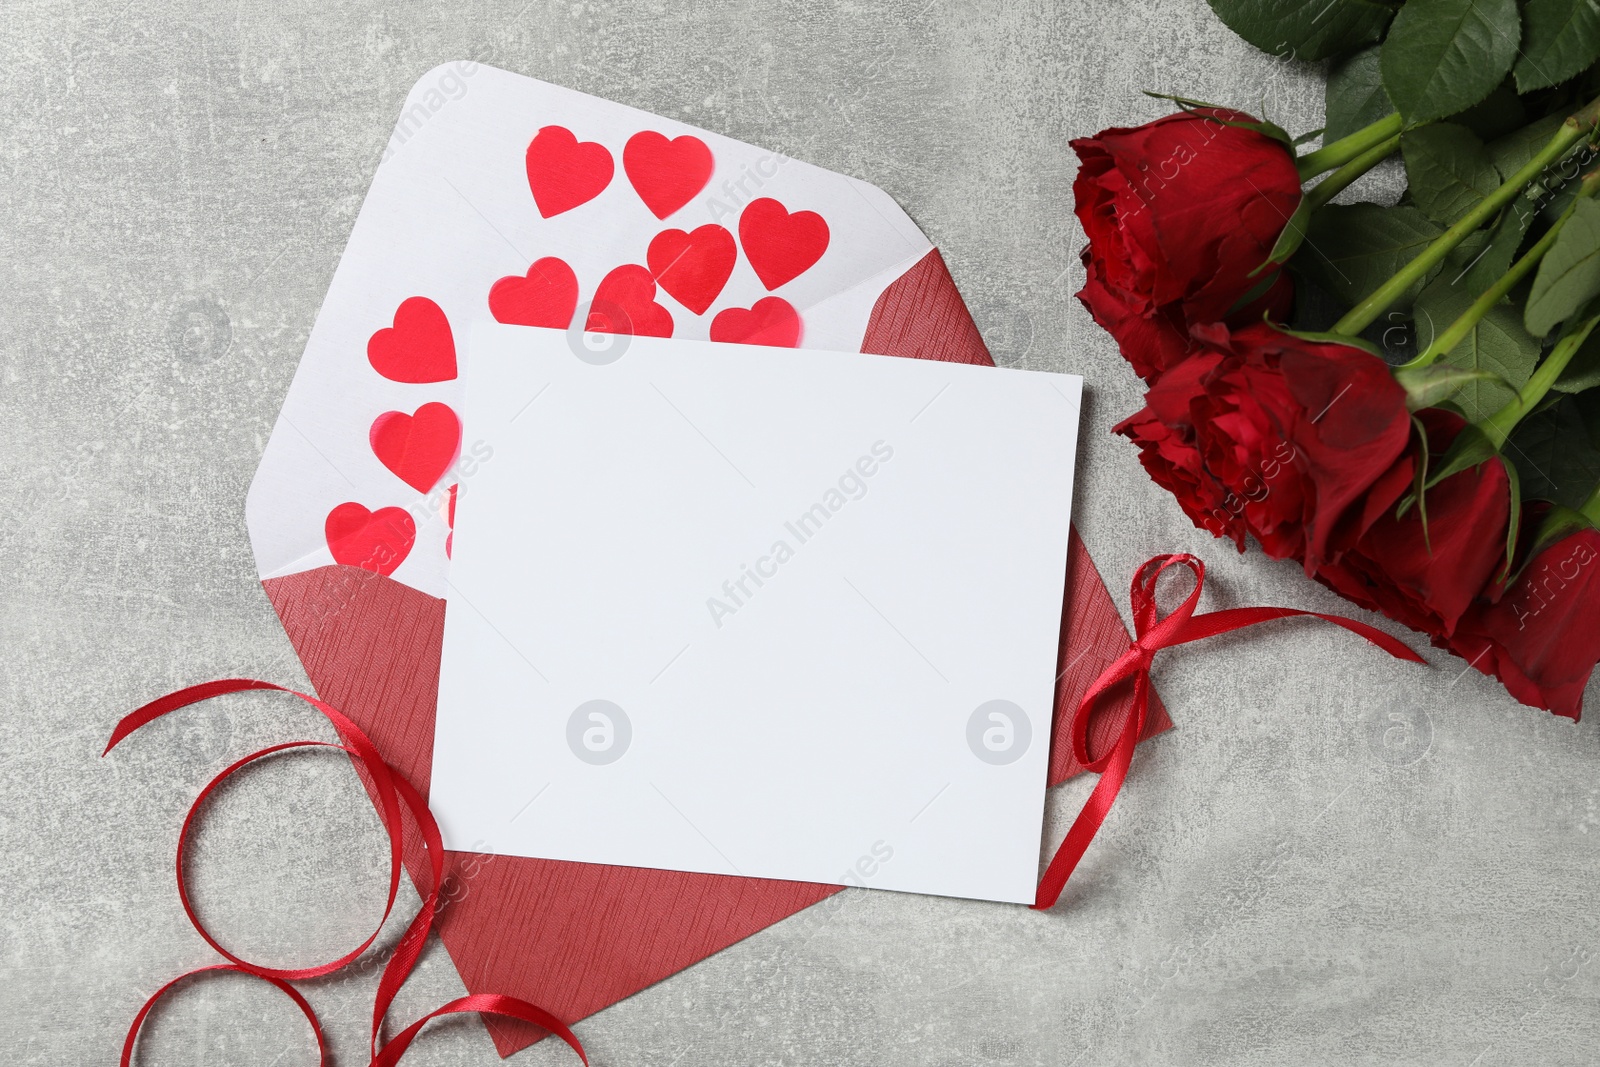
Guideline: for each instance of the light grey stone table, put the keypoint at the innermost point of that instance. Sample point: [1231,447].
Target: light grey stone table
[1334,859]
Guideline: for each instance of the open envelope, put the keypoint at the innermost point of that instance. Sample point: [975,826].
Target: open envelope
[507,198]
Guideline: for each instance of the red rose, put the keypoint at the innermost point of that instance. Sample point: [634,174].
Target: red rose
[1427,577]
[1542,638]
[1265,434]
[1169,453]
[1179,212]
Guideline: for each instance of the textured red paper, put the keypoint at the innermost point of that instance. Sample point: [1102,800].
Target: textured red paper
[575,937]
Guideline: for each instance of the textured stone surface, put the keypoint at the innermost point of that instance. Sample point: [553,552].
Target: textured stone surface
[1334,859]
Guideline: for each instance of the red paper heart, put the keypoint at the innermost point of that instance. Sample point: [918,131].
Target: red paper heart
[418,448]
[372,540]
[693,267]
[666,174]
[545,296]
[770,321]
[625,302]
[781,246]
[418,348]
[564,172]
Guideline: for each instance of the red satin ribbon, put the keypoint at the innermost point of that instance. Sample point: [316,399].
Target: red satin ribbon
[394,792]
[1151,634]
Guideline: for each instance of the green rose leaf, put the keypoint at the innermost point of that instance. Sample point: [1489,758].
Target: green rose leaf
[1470,448]
[1466,256]
[1477,263]
[1560,38]
[1559,522]
[1569,274]
[1514,508]
[1496,115]
[1448,170]
[1516,150]
[1305,29]
[1354,98]
[1326,338]
[1351,249]
[1428,387]
[1561,187]
[1498,346]
[1557,451]
[1443,56]
[1583,372]
[1288,242]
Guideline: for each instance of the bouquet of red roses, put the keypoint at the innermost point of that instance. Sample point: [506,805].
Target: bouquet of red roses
[1399,397]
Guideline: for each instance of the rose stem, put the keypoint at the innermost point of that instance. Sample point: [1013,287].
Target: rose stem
[1340,180]
[1342,151]
[1571,132]
[1498,427]
[1458,330]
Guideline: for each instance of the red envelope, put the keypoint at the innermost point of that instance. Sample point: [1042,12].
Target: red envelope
[503,197]
[574,937]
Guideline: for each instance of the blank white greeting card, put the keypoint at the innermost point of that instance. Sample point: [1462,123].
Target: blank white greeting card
[755,611]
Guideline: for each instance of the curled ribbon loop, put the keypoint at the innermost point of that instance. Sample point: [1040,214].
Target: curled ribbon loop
[1152,633]
[269,973]
[394,793]
[290,991]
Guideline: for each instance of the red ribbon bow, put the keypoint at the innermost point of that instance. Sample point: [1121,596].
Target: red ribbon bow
[1151,634]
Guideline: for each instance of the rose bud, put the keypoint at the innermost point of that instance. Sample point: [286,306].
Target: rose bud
[1179,213]
[1542,637]
[1265,434]
[1425,568]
